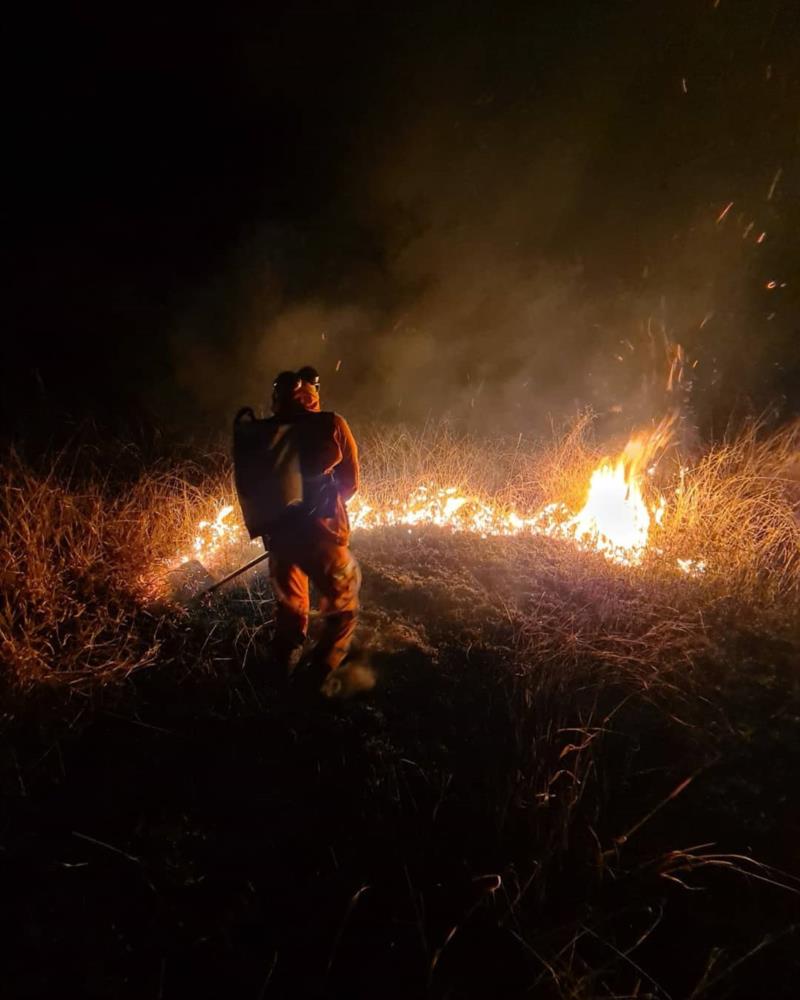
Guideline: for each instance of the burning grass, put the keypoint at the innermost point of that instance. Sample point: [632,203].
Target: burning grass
[514,810]
[85,554]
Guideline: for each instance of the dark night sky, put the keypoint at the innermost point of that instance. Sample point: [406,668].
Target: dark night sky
[480,209]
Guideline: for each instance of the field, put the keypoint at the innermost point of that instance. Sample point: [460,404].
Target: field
[572,779]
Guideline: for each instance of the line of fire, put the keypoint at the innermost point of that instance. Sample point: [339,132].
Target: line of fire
[400,501]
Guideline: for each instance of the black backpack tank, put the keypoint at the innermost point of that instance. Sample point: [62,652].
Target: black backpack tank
[266,470]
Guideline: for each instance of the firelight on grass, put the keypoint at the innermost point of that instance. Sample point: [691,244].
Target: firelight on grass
[616,518]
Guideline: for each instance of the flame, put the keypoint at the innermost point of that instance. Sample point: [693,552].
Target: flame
[616,519]
[213,535]
[445,508]
[692,567]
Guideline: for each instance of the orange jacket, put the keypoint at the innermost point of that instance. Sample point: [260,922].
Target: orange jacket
[328,451]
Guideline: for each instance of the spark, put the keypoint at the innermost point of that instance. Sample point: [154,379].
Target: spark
[774,184]
[772,284]
[677,361]
[724,212]
[761,238]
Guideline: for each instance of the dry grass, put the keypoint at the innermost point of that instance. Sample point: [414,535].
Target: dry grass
[75,554]
[514,472]
[738,507]
[80,551]
[575,703]
[735,509]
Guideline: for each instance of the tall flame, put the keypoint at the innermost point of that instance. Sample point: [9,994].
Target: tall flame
[615,519]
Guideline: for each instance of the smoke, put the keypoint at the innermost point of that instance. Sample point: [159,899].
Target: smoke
[524,223]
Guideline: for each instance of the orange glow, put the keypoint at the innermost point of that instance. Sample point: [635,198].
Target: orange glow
[214,535]
[616,519]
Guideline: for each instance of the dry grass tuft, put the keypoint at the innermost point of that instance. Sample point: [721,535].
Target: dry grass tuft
[738,509]
[76,557]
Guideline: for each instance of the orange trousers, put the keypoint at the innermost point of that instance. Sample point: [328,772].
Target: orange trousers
[294,561]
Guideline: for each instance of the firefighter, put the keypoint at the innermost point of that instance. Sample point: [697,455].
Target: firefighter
[310,540]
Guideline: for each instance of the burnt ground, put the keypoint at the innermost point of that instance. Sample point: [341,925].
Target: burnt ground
[489,821]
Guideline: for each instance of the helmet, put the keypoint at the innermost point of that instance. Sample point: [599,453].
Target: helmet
[310,375]
[285,383]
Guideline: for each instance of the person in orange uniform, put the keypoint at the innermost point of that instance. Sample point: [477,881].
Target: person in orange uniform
[310,541]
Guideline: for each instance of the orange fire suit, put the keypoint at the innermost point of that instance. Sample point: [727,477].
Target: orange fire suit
[311,542]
